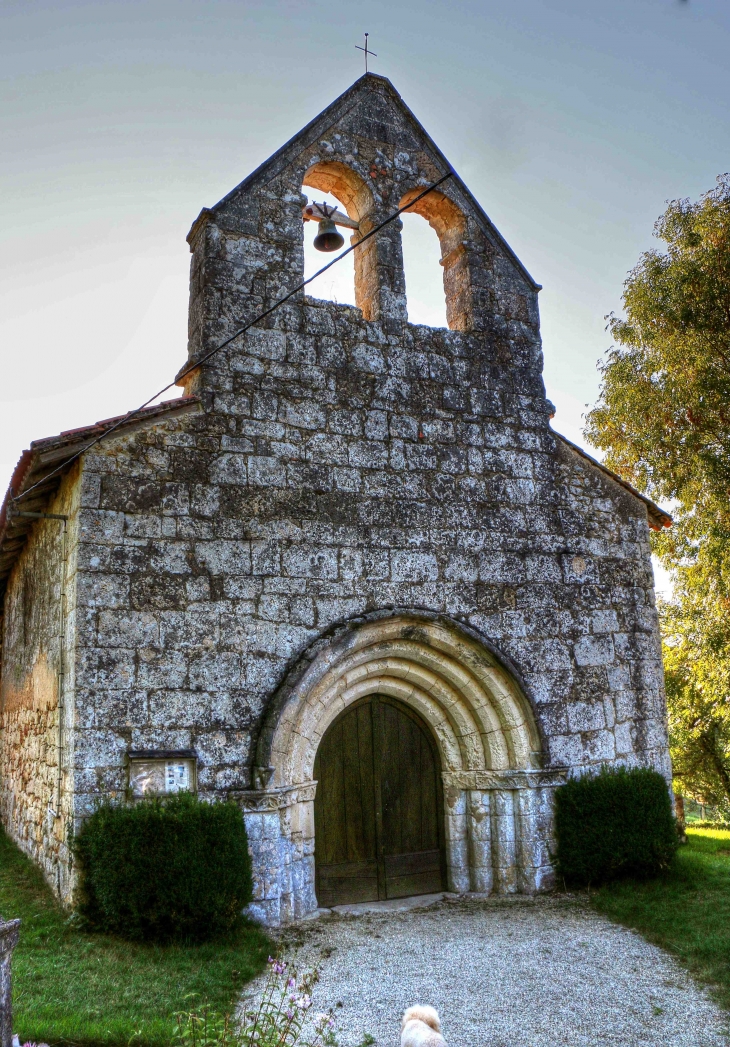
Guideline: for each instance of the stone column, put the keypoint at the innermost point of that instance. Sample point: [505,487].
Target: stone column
[8,940]
[457,840]
[529,857]
[380,289]
[480,842]
[264,835]
[504,841]
[297,852]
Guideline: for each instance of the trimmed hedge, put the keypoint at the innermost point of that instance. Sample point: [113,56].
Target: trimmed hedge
[162,869]
[612,824]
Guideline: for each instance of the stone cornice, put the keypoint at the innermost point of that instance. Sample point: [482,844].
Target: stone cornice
[508,779]
[260,801]
[267,800]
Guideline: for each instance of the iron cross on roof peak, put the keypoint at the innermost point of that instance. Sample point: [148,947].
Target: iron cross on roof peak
[367,52]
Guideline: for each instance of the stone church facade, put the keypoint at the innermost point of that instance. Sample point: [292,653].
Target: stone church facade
[342,505]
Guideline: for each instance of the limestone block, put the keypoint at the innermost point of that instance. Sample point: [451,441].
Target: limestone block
[406,565]
[266,472]
[586,716]
[594,650]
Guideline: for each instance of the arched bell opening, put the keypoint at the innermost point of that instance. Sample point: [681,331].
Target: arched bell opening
[425,295]
[449,223]
[378,262]
[339,188]
[378,808]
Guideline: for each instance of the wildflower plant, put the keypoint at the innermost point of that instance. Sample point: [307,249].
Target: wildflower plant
[280,1018]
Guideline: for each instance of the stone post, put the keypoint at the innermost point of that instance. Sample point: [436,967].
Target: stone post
[8,940]
[504,841]
[480,842]
[457,840]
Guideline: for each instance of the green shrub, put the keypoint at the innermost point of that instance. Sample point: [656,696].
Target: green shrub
[615,823]
[176,868]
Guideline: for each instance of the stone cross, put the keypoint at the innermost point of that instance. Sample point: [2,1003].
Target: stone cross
[8,940]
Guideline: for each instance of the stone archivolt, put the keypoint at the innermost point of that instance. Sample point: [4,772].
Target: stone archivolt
[476,711]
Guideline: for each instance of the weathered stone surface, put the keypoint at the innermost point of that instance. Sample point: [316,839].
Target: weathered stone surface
[345,463]
[9,933]
[37,691]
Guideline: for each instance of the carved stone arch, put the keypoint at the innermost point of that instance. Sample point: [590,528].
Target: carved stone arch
[450,224]
[496,798]
[473,705]
[344,182]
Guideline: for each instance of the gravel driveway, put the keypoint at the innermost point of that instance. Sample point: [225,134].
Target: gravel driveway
[503,973]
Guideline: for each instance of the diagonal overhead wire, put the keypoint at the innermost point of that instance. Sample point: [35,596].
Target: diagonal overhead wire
[194,364]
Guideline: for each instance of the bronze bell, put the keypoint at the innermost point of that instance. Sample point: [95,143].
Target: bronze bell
[328,237]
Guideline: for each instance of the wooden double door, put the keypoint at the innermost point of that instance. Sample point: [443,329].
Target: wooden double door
[378,812]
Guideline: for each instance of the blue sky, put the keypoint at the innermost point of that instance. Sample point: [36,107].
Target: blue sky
[572,121]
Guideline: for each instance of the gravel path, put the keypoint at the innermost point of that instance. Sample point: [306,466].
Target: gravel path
[503,973]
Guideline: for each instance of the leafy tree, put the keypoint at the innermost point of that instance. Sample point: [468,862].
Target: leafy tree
[697,673]
[663,417]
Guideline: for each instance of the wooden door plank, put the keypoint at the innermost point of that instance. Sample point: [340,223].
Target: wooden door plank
[347,883]
[415,884]
[377,721]
[413,794]
[352,790]
[333,807]
[390,780]
[430,798]
[412,874]
[422,861]
[364,713]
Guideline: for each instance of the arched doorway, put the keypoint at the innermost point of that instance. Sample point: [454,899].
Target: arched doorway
[496,806]
[378,809]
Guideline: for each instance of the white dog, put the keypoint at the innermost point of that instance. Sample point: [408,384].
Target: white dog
[421,1027]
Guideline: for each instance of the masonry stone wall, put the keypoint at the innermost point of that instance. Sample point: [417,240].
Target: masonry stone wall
[36,728]
[219,547]
[346,463]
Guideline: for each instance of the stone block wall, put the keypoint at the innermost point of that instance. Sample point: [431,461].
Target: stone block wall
[215,549]
[342,465]
[36,693]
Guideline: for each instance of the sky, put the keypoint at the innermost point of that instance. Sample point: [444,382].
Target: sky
[572,121]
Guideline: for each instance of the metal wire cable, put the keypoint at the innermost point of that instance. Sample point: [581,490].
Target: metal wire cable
[194,364]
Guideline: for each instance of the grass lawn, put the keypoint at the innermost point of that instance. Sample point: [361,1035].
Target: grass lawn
[686,911]
[71,987]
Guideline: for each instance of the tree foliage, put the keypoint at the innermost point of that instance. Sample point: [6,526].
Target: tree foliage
[663,418]
[664,413]
[697,674]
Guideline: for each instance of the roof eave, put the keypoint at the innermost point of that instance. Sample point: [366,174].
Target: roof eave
[51,456]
